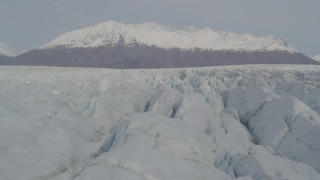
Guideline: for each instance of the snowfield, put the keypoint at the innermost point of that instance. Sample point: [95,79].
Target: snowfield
[5,50]
[317,58]
[153,34]
[233,122]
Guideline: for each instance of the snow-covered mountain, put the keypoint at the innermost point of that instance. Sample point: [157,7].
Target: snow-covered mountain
[151,45]
[5,50]
[153,34]
[234,122]
[317,58]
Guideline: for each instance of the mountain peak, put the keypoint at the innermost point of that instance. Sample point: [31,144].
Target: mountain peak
[317,58]
[6,50]
[153,34]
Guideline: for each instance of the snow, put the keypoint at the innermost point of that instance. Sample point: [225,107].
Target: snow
[5,50]
[232,122]
[317,58]
[153,34]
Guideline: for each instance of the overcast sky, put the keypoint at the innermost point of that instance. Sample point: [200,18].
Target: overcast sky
[29,24]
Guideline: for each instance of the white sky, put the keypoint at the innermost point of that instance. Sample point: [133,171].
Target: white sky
[29,24]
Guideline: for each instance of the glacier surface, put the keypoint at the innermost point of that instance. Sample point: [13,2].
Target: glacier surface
[233,122]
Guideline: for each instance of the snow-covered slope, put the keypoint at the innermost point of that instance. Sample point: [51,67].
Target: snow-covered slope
[151,45]
[317,58]
[153,34]
[5,50]
[236,122]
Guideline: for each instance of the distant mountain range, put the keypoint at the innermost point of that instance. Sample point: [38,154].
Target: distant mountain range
[6,52]
[317,58]
[152,34]
[151,45]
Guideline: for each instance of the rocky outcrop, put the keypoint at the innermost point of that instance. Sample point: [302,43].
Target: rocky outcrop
[139,56]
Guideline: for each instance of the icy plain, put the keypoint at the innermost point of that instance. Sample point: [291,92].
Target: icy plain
[235,122]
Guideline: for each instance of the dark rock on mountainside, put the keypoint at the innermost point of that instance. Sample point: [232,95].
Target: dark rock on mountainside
[151,57]
[4,58]
[151,45]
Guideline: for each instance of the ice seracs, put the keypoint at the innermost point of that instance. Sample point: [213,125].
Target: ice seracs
[6,50]
[154,34]
[232,122]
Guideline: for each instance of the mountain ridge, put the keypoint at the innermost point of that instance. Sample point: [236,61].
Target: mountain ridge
[145,57]
[163,36]
[7,51]
[151,45]
[316,58]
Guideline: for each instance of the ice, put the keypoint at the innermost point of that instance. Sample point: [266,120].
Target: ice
[233,122]
[164,101]
[261,164]
[156,147]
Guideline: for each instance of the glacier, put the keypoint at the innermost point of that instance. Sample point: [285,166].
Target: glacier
[229,122]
